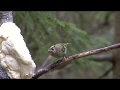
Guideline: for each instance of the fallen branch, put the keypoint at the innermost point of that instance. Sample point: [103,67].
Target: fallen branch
[72,58]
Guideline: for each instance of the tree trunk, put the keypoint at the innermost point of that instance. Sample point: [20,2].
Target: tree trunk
[5,16]
[116,62]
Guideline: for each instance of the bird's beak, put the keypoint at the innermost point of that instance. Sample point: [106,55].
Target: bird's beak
[49,51]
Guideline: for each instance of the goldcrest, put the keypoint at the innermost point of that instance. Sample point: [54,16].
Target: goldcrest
[58,50]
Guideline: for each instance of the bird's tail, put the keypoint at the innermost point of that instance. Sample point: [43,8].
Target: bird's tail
[66,44]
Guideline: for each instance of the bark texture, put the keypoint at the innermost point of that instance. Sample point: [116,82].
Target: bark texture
[116,61]
[5,16]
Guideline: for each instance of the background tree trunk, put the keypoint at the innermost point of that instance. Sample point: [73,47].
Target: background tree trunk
[116,61]
[5,16]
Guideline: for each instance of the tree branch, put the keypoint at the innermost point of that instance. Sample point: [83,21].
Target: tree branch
[102,57]
[72,58]
[105,73]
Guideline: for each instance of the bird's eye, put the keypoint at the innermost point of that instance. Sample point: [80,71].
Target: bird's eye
[52,48]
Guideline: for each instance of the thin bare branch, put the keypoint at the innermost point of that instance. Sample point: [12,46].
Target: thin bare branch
[102,57]
[106,73]
[72,58]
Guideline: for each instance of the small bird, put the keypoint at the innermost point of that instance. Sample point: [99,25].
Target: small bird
[58,50]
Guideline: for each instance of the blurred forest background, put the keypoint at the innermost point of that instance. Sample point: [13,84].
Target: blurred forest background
[85,30]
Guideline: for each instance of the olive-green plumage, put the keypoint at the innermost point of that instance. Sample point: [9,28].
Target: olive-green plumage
[58,50]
